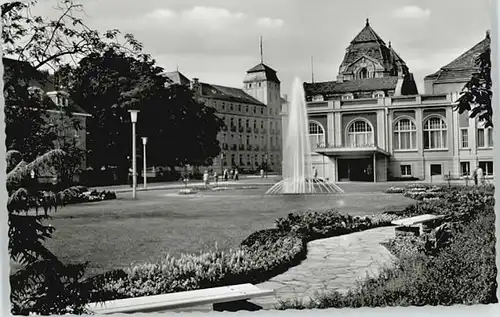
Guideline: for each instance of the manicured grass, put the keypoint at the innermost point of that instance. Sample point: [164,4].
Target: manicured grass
[115,234]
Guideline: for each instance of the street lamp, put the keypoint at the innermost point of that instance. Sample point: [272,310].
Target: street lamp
[222,164]
[266,165]
[144,141]
[133,119]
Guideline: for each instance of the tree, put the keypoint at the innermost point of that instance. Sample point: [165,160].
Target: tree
[476,95]
[180,129]
[107,85]
[43,284]
[35,44]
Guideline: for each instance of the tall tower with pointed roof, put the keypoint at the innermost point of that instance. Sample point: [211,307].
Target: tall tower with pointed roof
[262,83]
[368,56]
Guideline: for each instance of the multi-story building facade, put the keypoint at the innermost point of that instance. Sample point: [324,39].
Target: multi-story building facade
[372,125]
[251,138]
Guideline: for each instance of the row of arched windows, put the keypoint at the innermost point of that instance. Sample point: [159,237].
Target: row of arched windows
[360,133]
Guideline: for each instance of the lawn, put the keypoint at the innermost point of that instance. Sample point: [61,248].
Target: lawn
[114,234]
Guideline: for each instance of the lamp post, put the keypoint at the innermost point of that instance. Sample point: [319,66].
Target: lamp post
[266,166]
[133,119]
[222,164]
[144,166]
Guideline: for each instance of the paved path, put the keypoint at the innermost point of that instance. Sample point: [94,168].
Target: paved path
[332,264]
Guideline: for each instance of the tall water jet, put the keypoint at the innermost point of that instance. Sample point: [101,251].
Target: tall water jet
[297,167]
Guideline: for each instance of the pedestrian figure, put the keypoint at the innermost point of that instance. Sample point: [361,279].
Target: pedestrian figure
[130,177]
[216,178]
[232,174]
[236,177]
[478,175]
[226,173]
[205,178]
[261,173]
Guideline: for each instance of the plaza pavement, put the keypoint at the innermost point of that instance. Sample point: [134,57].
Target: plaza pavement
[332,264]
[255,180]
[244,180]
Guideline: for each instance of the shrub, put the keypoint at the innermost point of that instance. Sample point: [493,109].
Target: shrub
[318,225]
[395,190]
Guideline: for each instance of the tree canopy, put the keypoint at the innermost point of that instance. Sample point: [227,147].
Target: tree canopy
[476,95]
[180,129]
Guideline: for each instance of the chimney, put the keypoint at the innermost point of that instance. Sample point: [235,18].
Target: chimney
[196,87]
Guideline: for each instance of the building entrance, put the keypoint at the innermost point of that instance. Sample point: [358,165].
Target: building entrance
[355,170]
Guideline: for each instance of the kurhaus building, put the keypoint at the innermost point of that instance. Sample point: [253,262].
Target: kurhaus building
[371,123]
[251,137]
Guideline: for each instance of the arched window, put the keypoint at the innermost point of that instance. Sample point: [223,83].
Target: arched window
[363,73]
[435,133]
[316,135]
[405,135]
[359,134]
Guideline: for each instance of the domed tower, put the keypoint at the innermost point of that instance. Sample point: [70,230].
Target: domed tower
[368,56]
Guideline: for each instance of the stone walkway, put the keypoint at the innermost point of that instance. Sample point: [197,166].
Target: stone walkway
[332,264]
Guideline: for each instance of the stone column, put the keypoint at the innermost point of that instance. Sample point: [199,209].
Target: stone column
[330,129]
[420,140]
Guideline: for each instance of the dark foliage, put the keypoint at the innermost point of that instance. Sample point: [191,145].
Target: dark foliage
[476,95]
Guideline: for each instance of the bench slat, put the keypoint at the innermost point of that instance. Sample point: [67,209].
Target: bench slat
[180,300]
[416,220]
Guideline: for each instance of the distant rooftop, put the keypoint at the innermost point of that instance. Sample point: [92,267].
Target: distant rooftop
[261,72]
[176,77]
[228,93]
[351,86]
[463,66]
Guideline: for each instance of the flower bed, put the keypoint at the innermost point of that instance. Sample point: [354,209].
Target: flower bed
[395,190]
[253,264]
[81,194]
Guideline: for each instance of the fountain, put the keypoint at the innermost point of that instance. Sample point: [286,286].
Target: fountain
[297,167]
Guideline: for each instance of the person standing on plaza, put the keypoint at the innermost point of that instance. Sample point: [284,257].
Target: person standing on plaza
[226,174]
[216,178]
[478,175]
[205,178]
[262,173]
[236,175]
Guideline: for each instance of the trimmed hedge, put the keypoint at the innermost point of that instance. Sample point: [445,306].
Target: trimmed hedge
[254,264]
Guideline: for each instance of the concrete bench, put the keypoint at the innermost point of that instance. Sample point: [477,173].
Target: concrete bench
[422,219]
[231,298]
[416,225]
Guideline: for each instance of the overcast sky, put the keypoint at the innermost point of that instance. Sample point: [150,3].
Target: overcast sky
[218,40]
